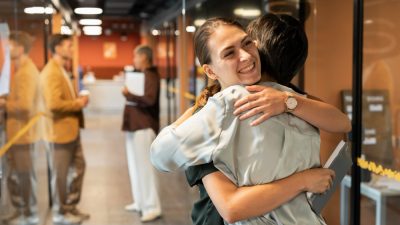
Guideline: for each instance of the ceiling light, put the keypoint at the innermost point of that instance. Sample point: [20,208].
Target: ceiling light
[190,29]
[368,21]
[155,32]
[88,10]
[93,22]
[66,30]
[92,30]
[199,22]
[38,10]
[247,12]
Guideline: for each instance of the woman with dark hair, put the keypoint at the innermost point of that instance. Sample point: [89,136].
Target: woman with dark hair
[238,150]
[283,47]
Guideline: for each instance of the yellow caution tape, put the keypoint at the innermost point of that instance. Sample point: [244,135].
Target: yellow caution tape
[378,169]
[21,132]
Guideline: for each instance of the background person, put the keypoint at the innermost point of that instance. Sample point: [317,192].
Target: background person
[21,106]
[141,123]
[66,118]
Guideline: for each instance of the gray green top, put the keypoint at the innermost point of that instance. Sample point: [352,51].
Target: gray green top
[247,155]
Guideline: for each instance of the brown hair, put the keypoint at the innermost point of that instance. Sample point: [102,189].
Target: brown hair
[23,39]
[202,51]
[56,40]
[282,44]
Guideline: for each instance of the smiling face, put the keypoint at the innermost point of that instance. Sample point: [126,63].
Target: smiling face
[234,57]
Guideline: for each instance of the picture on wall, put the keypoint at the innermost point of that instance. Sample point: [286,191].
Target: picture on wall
[110,50]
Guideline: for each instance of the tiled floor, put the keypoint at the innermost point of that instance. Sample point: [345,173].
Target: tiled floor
[107,188]
[106,185]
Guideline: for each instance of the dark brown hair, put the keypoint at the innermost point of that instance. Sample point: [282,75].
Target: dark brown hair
[282,44]
[23,39]
[57,39]
[202,51]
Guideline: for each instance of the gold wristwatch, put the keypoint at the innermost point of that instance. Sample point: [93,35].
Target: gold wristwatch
[290,102]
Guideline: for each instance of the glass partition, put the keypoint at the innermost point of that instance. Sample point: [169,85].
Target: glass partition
[381,113]
[23,170]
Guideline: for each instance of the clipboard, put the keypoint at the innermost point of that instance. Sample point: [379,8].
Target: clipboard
[134,82]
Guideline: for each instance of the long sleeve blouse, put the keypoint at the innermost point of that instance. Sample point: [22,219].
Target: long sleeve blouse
[247,155]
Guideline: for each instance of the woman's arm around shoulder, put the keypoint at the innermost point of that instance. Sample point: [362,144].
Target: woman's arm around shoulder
[269,102]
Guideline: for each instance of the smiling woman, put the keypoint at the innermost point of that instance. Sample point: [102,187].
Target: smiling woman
[234,57]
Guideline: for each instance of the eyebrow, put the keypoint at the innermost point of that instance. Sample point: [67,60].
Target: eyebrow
[241,42]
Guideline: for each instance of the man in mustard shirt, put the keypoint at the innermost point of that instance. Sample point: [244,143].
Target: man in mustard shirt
[65,118]
[21,106]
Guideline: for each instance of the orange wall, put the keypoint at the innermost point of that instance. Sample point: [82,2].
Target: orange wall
[37,51]
[328,69]
[91,53]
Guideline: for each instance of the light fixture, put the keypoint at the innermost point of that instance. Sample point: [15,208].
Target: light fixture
[199,22]
[190,29]
[93,22]
[155,32]
[247,12]
[88,11]
[66,30]
[92,30]
[368,21]
[176,32]
[38,10]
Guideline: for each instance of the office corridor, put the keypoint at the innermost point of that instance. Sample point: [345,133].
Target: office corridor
[106,184]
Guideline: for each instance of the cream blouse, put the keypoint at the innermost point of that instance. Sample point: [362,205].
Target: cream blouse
[247,155]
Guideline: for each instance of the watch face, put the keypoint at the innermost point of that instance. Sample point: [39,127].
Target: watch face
[291,103]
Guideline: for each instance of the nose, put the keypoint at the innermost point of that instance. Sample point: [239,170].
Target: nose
[244,54]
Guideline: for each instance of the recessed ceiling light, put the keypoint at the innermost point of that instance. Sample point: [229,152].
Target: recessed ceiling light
[190,29]
[94,22]
[38,10]
[88,11]
[92,30]
[155,32]
[247,12]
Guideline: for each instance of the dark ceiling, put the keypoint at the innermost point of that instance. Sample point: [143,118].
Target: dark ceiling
[135,9]
[126,15]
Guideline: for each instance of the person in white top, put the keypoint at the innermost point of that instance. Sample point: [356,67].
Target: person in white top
[240,151]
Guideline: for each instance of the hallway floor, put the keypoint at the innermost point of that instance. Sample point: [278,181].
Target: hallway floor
[106,183]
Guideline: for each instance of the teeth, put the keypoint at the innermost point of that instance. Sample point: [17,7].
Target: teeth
[247,68]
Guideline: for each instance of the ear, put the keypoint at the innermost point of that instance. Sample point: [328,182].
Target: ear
[56,49]
[209,72]
[256,43]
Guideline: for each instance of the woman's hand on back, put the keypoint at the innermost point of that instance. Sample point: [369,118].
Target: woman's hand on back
[263,101]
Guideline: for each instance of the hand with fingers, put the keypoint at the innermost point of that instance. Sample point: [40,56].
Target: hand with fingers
[317,180]
[263,101]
